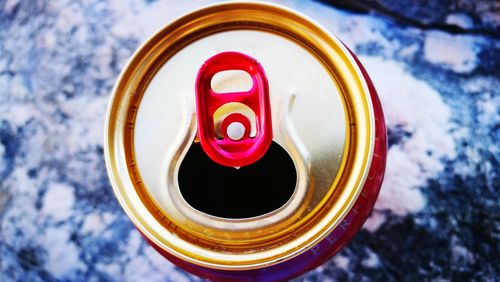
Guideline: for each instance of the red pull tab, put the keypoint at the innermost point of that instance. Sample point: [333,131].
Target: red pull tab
[236,148]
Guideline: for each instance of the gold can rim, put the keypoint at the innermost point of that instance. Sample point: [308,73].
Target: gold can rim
[242,15]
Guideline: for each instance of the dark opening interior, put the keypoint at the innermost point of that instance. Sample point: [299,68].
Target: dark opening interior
[249,191]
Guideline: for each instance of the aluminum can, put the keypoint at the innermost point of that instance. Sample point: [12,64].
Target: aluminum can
[245,142]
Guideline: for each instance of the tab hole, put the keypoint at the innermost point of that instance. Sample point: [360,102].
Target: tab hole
[231,81]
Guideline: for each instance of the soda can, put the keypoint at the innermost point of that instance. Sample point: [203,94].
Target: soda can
[245,142]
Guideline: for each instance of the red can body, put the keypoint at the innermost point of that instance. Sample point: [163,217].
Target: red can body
[309,94]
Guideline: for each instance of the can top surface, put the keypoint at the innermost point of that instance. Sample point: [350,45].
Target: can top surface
[321,115]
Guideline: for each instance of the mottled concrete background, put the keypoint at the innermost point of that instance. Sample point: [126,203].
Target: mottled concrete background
[436,65]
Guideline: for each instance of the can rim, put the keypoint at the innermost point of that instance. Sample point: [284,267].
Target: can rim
[119,175]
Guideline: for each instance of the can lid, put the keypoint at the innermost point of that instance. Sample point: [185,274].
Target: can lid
[321,116]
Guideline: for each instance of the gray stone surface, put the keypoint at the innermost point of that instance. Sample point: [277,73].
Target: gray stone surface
[456,16]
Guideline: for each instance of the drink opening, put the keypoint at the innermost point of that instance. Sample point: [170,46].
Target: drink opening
[249,191]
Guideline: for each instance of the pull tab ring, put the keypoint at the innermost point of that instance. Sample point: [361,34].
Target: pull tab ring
[228,150]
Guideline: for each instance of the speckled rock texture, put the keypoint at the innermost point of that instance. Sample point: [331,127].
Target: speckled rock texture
[438,213]
[455,16]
